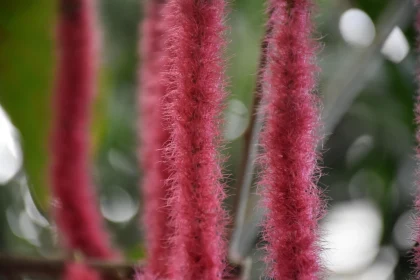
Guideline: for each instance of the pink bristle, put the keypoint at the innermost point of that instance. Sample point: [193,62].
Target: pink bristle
[75,206]
[78,271]
[153,136]
[289,140]
[194,81]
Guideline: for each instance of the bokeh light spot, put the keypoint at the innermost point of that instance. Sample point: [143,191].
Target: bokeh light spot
[352,236]
[118,206]
[10,152]
[396,46]
[357,28]
[236,120]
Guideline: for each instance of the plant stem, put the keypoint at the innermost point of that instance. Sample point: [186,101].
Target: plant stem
[245,173]
[14,266]
[23,265]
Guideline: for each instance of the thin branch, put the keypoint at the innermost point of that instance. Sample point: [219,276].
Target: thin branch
[22,265]
[246,168]
[14,266]
[339,94]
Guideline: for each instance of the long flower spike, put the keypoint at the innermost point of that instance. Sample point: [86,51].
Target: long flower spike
[75,206]
[195,83]
[153,136]
[289,140]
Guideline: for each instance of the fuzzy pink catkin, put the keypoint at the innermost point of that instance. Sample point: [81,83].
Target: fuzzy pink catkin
[289,139]
[75,206]
[153,136]
[194,81]
[78,271]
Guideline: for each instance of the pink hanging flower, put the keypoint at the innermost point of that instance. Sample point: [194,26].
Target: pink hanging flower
[78,271]
[195,83]
[289,140]
[75,206]
[153,136]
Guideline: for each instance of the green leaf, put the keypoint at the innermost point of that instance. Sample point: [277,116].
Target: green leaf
[26,59]
[136,253]
[26,85]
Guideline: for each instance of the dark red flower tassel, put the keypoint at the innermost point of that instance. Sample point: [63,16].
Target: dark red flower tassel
[75,205]
[153,136]
[289,140]
[78,271]
[195,84]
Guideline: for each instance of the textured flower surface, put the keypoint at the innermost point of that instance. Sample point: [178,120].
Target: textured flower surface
[75,206]
[153,136]
[194,80]
[289,139]
[78,271]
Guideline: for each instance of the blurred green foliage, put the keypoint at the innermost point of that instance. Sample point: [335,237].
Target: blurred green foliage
[26,56]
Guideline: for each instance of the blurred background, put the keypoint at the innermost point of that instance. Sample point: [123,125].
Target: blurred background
[367,85]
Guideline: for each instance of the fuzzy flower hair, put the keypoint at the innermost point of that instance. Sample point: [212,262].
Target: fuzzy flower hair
[153,137]
[75,206]
[289,140]
[194,81]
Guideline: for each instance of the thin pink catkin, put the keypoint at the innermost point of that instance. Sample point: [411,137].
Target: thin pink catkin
[78,271]
[75,205]
[153,136]
[194,80]
[289,160]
